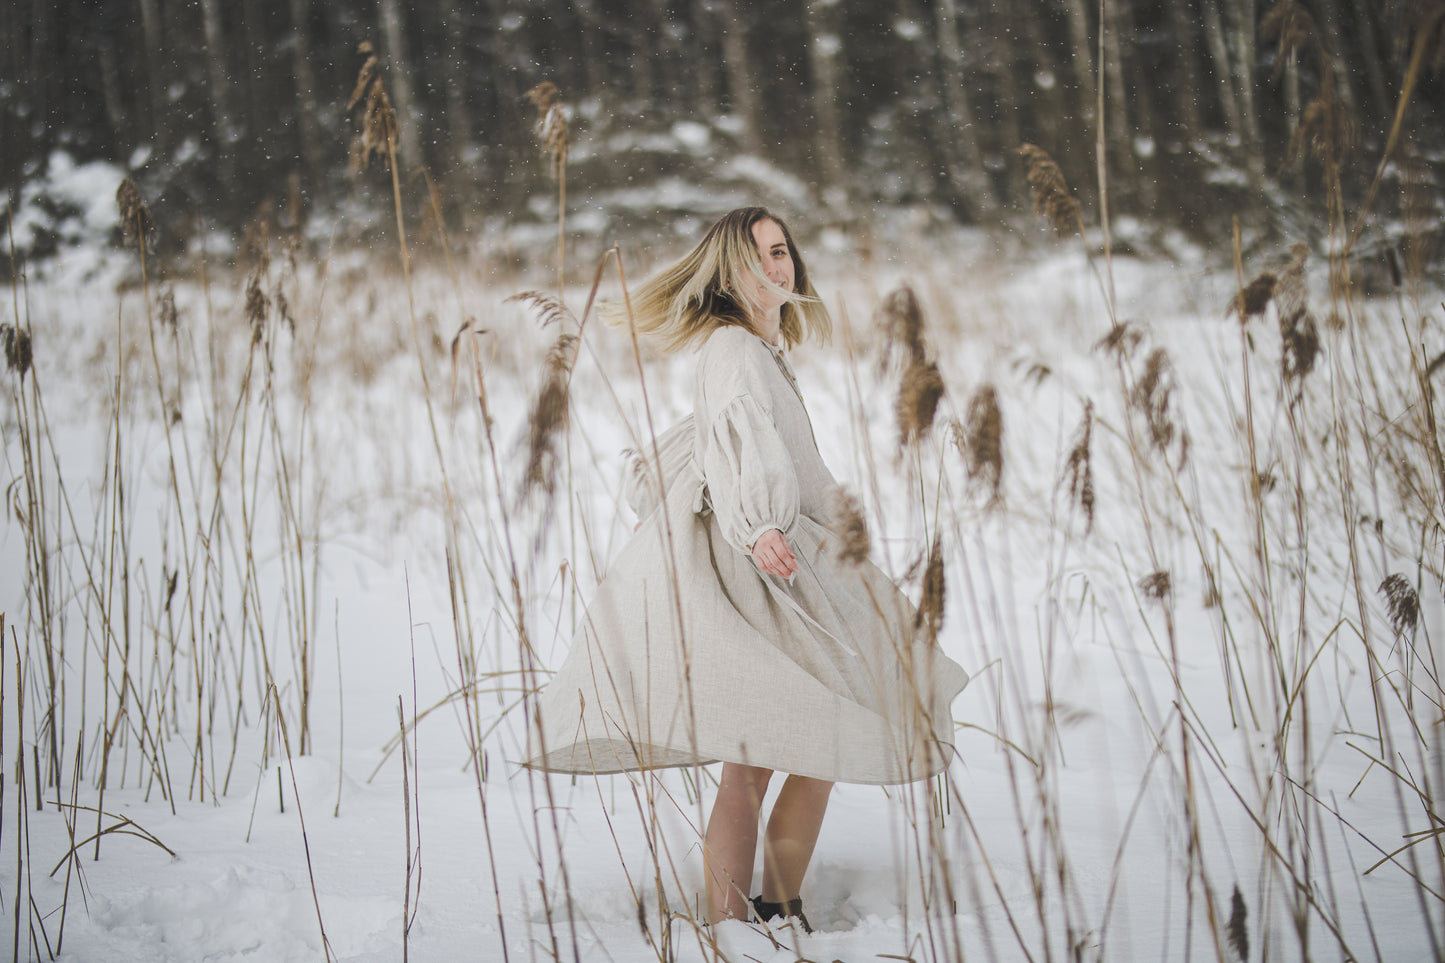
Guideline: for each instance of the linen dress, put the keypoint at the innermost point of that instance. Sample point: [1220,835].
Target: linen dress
[689,653]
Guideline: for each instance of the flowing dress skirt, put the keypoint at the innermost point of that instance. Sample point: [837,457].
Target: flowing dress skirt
[689,654]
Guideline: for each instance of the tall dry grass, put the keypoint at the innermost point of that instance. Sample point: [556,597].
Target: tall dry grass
[137,676]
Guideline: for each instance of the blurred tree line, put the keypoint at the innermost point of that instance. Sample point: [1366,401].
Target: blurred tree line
[218,105]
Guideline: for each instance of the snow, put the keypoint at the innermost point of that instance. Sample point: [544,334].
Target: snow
[75,204]
[1071,812]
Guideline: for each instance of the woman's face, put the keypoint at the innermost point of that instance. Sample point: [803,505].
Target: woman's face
[777,262]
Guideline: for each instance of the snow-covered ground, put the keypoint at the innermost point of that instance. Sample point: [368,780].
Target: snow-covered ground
[1126,764]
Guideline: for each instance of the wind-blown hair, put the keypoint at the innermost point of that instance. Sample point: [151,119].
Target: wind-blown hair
[684,302]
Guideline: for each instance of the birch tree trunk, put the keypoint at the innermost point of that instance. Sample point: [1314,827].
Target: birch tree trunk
[742,94]
[965,158]
[1223,71]
[825,62]
[1242,26]
[307,119]
[216,74]
[1188,119]
[398,83]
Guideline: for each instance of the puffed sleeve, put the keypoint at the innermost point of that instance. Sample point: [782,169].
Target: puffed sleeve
[749,472]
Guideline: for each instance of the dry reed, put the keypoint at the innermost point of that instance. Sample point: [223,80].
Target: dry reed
[850,526]
[1291,26]
[930,605]
[983,442]
[1052,198]
[377,131]
[919,393]
[1402,601]
[18,355]
[1079,467]
[137,226]
[1152,398]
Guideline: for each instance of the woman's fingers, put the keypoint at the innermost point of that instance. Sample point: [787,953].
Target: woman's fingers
[774,555]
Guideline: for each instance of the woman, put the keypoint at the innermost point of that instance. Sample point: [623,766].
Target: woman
[729,629]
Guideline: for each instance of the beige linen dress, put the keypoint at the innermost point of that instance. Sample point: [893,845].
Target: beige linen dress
[690,654]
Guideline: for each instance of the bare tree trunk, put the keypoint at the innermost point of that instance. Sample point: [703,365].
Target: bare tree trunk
[825,61]
[110,98]
[1186,82]
[594,46]
[217,75]
[1292,91]
[1133,126]
[643,52]
[460,133]
[399,83]
[307,118]
[965,158]
[1241,29]
[704,57]
[150,22]
[1333,42]
[1223,72]
[742,94]
[1052,105]
[1116,108]
[1369,52]
[1081,46]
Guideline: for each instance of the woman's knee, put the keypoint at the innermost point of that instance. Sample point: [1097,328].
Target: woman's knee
[753,780]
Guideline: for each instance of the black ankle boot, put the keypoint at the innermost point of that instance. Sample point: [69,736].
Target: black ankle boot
[793,909]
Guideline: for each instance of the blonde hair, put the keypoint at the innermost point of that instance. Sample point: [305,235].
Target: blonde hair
[683,303]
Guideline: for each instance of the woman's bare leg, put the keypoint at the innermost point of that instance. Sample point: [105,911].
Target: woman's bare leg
[792,833]
[731,840]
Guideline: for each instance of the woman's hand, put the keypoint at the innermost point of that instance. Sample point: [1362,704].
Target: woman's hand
[773,555]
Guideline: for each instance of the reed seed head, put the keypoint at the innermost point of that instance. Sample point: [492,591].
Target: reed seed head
[551,122]
[930,607]
[1079,469]
[471,327]
[1238,926]
[1326,131]
[364,75]
[169,318]
[137,226]
[378,132]
[17,348]
[1152,395]
[1121,340]
[1254,299]
[983,442]
[550,417]
[258,305]
[283,311]
[1402,603]
[549,310]
[1299,334]
[918,396]
[901,318]
[850,525]
[1052,198]
[1156,585]
[1292,26]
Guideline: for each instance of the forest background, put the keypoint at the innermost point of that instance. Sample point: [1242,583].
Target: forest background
[226,113]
